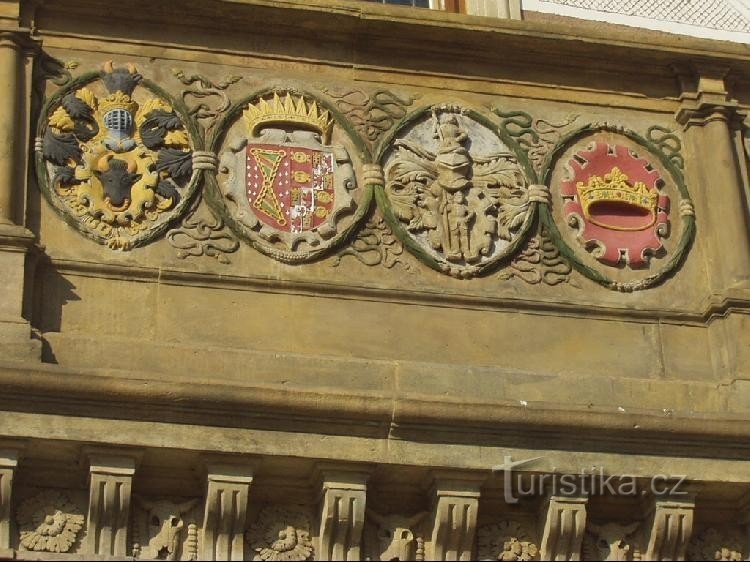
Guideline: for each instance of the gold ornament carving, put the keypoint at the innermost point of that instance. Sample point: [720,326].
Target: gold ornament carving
[48,522]
[281,533]
[615,188]
[288,111]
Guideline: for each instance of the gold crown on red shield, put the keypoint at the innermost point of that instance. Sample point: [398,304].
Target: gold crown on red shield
[615,187]
[289,110]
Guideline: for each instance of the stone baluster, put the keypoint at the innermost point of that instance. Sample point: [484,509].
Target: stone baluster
[563,524]
[671,526]
[342,511]
[110,483]
[455,507]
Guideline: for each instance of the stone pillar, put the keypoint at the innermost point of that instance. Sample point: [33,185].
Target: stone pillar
[227,492]
[110,481]
[455,507]
[671,526]
[710,119]
[563,524]
[8,463]
[15,240]
[11,55]
[343,492]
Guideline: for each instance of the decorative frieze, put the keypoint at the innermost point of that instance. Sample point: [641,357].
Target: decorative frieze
[159,528]
[394,536]
[507,540]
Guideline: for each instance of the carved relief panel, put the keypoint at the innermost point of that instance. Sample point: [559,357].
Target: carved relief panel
[114,157]
[290,179]
[165,529]
[51,521]
[455,193]
[620,209]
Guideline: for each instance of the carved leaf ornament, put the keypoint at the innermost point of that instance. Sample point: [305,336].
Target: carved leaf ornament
[466,191]
[48,522]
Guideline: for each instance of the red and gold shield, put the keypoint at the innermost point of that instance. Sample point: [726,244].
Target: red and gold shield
[290,188]
[616,196]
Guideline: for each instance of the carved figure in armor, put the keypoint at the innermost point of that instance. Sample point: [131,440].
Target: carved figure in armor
[458,188]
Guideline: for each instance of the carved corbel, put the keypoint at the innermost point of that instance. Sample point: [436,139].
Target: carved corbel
[8,463]
[342,511]
[224,521]
[110,482]
[671,524]
[563,524]
[455,507]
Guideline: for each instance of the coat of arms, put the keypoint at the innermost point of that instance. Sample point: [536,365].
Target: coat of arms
[119,164]
[457,190]
[612,198]
[289,186]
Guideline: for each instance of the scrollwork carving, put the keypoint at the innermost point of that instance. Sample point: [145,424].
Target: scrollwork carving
[48,522]
[371,114]
[375,244]
[202,88]
[539,262]
[668,144]
[201,235]
[281,533]
[535,136]
[507,540]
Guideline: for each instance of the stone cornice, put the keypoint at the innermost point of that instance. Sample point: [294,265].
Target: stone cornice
[48,389]
[350,29]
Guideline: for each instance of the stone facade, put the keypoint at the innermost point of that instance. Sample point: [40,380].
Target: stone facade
[329,281]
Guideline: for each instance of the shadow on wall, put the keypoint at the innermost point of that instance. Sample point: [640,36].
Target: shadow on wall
[52,292]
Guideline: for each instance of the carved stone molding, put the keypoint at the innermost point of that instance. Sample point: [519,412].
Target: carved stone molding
[110,482]
[226,510]
[455,507]
[564,524]
[281,533]
[48,522]
[507,540]
[342,511]
[375,244]
[671,526]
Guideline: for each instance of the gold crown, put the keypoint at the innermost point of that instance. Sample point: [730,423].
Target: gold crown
[288,111]
[615,188]
[118,100]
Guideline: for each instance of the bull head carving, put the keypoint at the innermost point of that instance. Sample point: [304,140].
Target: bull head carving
[395,535]
[164,524]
